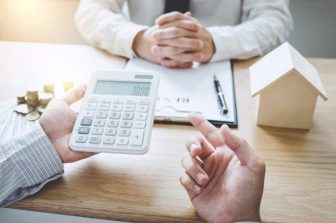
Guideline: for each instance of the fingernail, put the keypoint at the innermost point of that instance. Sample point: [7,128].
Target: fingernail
[200,44]
[193,148]
[200,56]
[197,189]
[200,177]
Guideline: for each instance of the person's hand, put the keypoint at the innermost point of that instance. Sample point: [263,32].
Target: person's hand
[224,177]
[180,38]
[57,122]
[145,47]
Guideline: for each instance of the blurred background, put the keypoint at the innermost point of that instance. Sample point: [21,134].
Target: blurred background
[51,21]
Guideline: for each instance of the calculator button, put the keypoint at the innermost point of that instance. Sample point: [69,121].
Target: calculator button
[97,131]
[137,137]
[139,124]
[86,122]
[118,101]
[128,115]
[109,140]
[112,123]
[110,131]
[140,116]
[130,102]
[107,101]
[126,124]
[144,102]
[116,107]
[122,140]
[99,122]
[83,130]
[101,114]
[94,139]
[124,132]
[103,106]
[142,108]
[92,100]
[91,105]
[89,113]
[114,115]
[129,108]
[81,138]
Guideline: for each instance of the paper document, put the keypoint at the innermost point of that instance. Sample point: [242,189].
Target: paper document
[182,91]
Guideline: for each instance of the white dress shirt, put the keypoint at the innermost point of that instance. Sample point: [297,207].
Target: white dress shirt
[240,29]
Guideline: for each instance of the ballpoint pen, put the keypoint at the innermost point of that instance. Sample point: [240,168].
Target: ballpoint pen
[220,95]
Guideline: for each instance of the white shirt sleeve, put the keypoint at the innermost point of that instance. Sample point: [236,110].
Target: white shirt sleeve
[265,25]
[103,24]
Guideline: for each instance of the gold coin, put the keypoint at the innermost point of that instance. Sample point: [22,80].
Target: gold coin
[33,102]
[32,91]
[22,109]
[21,99]
[32,95]
[32,116]
[49,88]
[67,85]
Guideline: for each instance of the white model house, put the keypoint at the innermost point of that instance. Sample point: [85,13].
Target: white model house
[287,86]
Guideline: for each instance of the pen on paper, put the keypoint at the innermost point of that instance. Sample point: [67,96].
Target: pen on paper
[220,96]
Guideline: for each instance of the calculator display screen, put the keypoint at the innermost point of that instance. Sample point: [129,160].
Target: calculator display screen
[122,88]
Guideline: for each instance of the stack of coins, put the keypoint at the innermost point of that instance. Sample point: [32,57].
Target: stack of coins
[34,102]
[21,99]
[32,98]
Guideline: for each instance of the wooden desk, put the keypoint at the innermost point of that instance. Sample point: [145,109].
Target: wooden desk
[301,165]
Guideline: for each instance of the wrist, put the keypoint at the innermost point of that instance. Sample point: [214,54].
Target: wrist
[237,217]
[249,218]
[51,140]
[138,43]
[210,47]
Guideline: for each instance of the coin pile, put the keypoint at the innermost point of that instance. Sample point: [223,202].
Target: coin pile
[33,103]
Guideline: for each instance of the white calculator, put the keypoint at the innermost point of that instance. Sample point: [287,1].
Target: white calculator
[117,113]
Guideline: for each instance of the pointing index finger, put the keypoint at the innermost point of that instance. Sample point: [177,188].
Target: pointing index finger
[210,132]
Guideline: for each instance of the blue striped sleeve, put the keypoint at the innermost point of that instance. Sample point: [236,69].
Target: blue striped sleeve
[27,162]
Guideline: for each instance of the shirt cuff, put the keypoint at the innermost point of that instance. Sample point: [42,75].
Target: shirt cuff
[125,38]
[33,155]
[225,43]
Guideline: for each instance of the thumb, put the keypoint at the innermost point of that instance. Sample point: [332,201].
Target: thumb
[74,94]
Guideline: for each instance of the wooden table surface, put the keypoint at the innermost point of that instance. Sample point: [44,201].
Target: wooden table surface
[300,180]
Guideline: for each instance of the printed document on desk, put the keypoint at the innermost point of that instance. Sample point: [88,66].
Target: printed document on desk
[182,91]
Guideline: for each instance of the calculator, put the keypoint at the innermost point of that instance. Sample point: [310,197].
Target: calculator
[117,113]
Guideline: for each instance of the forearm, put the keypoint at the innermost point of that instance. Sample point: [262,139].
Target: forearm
[266,24]
[27,163]
[103,25]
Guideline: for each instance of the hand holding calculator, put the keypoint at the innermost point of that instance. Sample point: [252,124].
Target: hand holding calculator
[117,113]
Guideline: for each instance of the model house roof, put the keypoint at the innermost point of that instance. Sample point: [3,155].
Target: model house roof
[278,64]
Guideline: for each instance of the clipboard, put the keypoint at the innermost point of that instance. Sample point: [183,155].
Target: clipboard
[182,91]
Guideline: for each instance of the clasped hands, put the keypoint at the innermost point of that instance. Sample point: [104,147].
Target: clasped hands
[175,41]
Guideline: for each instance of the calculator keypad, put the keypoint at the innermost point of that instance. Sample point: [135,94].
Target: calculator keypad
[113,122]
